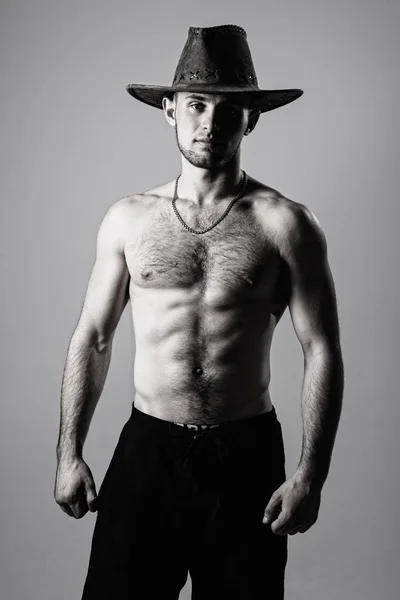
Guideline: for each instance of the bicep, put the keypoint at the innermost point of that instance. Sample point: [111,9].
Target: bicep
[108,288]
[312,300]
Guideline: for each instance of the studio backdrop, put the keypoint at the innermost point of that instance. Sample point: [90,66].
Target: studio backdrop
[73,142]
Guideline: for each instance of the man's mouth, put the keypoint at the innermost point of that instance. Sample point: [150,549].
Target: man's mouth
[210,142]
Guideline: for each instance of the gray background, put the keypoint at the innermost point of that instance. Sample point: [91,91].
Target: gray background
[73,142]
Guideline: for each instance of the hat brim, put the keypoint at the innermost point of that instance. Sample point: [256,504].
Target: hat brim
[263,100]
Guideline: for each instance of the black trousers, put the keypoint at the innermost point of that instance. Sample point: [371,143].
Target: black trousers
[176,500]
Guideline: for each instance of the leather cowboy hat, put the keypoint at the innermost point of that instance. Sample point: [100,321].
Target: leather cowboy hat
[216,60]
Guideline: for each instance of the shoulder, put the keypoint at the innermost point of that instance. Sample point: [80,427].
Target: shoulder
[140,201]
[110,230]
[135,203]
[124,215]
[292,224]
[302,237]
[118,219]
[115,215]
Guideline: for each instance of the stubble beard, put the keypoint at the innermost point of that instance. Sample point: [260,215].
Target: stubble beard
[209,161]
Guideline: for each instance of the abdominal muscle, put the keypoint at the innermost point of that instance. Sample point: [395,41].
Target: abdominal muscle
[199,361]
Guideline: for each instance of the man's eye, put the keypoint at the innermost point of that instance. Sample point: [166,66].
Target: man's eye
[196,106]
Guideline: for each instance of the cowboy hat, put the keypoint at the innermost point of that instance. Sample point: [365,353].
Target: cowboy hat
[216,60]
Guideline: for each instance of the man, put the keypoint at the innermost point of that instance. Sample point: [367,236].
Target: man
[210,262]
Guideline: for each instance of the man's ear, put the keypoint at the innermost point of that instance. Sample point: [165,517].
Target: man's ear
[253,118]
[169,107]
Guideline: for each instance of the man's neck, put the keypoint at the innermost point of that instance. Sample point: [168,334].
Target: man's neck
[206,187]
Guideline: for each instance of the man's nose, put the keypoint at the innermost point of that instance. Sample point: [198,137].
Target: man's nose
[211,121]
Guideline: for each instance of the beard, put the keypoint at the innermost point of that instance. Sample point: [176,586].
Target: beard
[207,160]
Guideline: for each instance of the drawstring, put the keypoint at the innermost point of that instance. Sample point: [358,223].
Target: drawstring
[186,454]
[222,448]
[212,476]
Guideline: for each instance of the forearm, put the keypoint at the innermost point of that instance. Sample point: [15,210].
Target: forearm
[84,376]
[322,395]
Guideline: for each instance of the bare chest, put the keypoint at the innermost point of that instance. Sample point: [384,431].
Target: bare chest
[236,257]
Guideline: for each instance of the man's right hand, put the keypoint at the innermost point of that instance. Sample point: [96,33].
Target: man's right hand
[75,490]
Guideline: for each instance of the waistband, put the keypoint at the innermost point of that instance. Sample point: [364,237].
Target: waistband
[151,422]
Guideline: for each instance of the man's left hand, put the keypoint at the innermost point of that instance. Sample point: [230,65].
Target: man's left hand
[293,507]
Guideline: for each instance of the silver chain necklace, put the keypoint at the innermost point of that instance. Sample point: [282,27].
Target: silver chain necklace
[228,208]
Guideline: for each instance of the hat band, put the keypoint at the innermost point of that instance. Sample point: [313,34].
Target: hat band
[211,76]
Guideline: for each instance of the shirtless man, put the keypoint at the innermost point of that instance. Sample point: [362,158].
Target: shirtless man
[206,295]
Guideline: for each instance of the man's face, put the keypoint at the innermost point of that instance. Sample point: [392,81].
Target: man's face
[209,127]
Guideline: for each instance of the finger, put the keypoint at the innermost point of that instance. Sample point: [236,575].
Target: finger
[294,531]
[90,494]
[273,508]
[305,528]
[91,501]
[79,508]
[66,509]
[290,526]
[283,524]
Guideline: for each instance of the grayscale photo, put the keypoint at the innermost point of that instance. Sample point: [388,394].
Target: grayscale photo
[200,339]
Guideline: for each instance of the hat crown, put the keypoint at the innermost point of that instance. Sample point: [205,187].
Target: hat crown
[217,55]
[216,60]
